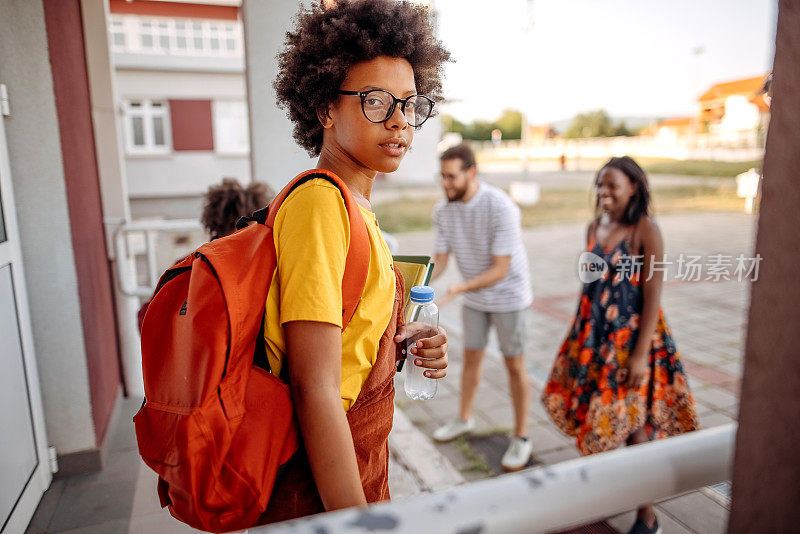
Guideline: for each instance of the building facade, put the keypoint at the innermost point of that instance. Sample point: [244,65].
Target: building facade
[180,80]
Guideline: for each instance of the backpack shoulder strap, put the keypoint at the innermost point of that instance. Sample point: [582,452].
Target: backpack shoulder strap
[358,251]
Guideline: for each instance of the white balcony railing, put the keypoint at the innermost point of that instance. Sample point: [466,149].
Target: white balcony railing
[546,498]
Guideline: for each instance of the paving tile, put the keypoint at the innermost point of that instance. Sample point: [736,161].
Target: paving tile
[733,368]
[454,453]
[569,452]
[698,512]
[546,438]
[110,527]
[428,427]
[713,419]
[668,524]
[497,418]
[491,396]
[121,466]
[161,523]
[47,507]
[401,482]
[715,396]
[91,504]
[145,494]
[415,411]
[441,408]
[492,447]
[122,436]
[537,408]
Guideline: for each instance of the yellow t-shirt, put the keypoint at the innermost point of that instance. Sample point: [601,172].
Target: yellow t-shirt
[311,235]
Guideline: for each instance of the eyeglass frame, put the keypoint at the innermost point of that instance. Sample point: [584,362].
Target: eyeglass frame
[395,101]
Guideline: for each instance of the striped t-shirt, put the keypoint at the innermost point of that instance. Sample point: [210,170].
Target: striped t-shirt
[474,231]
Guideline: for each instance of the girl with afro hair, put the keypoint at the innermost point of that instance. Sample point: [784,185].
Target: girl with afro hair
[357,78]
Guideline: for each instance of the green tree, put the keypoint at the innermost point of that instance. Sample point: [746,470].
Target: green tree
[510,123]
[451,124]
[622,130]
[591,124]
[479,130]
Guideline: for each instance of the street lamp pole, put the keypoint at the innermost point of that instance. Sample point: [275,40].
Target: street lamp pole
[527,30]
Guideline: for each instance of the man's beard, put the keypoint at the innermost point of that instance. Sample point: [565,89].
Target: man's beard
[457,195]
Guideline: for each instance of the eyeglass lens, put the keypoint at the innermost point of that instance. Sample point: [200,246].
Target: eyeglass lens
[378,106]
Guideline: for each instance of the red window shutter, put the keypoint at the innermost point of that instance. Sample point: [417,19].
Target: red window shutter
[192,128]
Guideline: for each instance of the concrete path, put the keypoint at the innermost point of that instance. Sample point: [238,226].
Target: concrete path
[707,318]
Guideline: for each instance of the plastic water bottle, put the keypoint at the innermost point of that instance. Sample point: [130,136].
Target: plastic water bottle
[417,385]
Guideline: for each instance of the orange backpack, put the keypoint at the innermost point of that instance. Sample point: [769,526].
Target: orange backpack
[215,427]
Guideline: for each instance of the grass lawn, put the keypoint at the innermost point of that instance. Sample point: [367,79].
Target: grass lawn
[568,205]
[688,167]
[692,167]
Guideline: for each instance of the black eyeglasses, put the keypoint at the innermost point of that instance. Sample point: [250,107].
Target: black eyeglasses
[378,105]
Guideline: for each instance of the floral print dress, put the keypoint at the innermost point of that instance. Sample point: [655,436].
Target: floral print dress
[583,396]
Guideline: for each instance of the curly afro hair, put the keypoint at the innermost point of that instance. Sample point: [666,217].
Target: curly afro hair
[327,41]
[223,204]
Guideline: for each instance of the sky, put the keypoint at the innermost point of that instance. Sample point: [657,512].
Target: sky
[633,58]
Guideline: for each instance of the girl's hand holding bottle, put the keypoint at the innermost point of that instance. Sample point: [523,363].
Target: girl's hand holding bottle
[430,351]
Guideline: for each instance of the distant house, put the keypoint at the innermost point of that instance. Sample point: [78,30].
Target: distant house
[737,106]
[181,83]
[538,133]
[673,128]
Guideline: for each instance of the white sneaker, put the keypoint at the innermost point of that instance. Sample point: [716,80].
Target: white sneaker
[517,454]
[453,429]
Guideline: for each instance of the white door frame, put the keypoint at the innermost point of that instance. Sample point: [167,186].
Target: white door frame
[10,253]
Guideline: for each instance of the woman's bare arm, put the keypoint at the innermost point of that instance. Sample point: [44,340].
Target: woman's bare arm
[315,371]
[653,249]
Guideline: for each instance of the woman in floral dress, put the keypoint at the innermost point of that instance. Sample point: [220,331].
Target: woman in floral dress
[617,377]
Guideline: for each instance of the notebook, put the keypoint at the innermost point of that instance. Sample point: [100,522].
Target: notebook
[416,271]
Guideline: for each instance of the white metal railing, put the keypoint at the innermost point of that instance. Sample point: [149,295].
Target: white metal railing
[129,290]
[127,278]
[546,498]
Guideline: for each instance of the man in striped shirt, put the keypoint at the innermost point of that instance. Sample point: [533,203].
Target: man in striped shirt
[480,225]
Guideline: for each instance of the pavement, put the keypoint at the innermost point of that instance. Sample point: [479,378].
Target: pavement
[707,318]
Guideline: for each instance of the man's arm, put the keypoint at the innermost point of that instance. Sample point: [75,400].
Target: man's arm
[496,272]
[315,367]
[439,264]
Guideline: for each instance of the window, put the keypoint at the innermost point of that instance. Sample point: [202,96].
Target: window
[231,133]
[146,127]
[118,36]
[179,36]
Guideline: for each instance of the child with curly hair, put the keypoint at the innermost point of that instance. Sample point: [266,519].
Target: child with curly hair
[617,377]
[224,203]
[357,78]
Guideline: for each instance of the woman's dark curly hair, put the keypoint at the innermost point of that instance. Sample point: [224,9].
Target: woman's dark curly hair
[327,41]
[223,204]
[639,204]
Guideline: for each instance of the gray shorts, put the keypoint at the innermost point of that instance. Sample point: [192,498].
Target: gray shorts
[510,329]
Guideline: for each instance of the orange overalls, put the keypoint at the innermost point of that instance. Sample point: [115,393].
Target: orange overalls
[370,420]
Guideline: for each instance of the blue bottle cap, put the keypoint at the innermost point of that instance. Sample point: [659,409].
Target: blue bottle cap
[422,294]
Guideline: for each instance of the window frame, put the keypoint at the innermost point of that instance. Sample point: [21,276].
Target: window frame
[216,113]
[132,28]
[148,112]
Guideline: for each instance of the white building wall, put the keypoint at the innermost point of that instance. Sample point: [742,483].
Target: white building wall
[421,164]
[184,173]
[181,173]
[740,115]
[276,156]
[173,84]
